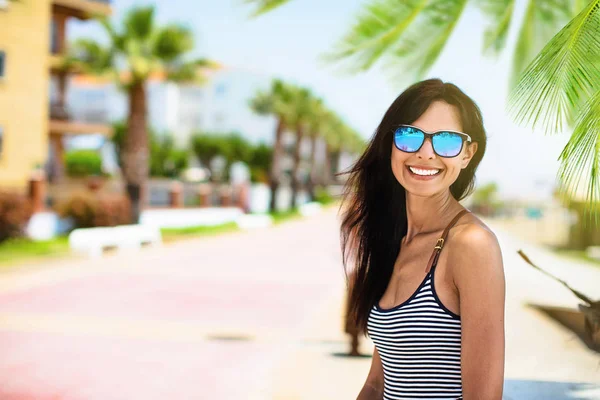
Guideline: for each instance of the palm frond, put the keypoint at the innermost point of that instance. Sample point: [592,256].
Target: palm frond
[261,103]
[91,56]
[563,73]
[117,40]
[318,117]
[139,23]
[172,41]
[334,133]
[500,14]
[264,6]
[577,293]
[417,51]
[278,101]
[379,26]
[578,5]
[189,71]
[580,158]
[542,20]
[407,37]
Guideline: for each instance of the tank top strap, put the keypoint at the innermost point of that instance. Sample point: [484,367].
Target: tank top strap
[440,243]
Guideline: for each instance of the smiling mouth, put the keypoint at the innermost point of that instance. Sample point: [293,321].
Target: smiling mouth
[423,172]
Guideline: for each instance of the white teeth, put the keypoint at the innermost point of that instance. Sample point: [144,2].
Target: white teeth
[424,171]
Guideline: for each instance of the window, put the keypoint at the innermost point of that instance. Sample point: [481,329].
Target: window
[2,61]
[3,4]
[220,89]
[53,37]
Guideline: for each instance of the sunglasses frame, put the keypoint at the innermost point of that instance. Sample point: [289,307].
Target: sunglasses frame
[465,138]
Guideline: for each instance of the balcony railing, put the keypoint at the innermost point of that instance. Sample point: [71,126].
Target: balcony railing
[90,116]
[64,121]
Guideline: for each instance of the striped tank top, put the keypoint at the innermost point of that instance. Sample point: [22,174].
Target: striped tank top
[419,342]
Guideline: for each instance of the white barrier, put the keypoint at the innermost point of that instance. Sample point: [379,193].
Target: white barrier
[189,217]
[311,208]
[93,241]
[254,221]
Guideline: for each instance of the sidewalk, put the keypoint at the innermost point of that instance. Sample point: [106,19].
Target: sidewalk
[248,315]
[544,360]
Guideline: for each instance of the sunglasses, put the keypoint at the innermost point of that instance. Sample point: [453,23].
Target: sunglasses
[445,143]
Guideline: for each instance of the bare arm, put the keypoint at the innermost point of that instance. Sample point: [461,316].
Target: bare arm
[479,277]
[373,387]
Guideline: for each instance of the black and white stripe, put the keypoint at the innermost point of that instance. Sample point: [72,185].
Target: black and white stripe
[419,345]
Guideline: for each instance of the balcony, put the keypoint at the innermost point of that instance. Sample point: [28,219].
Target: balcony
[91,122]
[82,9]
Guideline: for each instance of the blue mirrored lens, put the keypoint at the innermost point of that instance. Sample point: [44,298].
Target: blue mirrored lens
[447,144]
[408,139]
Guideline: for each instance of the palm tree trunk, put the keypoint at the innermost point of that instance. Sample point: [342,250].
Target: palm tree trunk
[135,149]
[275,173]
[326,167]
[313,167]
[335,160]
[296,167]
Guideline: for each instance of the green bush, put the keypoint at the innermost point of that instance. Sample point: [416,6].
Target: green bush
[259,175]
[83,163]
[15,211]
[89,209]
[165,159]
[322,196]
[234,147]
[260,163]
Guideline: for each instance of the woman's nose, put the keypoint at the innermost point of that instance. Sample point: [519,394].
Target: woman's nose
[426,149]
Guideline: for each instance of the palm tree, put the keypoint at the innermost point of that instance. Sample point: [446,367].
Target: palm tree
[555,77]
[340,139]
[333,134]
[303,104]
[138,50]
[276,102]
[319,118]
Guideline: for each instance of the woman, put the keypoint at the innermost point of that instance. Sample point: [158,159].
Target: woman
[436,317]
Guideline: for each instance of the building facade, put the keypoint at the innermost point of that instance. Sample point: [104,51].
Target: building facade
[24,72]
[33,124]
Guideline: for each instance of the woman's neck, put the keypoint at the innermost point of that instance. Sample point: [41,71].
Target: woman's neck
[429,214]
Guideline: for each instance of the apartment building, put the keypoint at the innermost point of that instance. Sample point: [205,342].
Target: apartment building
[24,33]
[33,37]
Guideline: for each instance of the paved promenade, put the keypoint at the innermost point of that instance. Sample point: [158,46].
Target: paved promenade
[247,315]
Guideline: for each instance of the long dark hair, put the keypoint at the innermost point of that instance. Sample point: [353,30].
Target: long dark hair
[374,203]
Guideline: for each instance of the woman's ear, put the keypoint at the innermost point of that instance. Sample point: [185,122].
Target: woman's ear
[469,153]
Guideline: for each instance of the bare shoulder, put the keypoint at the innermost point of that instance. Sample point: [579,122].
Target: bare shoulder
[474,251]
[470,230]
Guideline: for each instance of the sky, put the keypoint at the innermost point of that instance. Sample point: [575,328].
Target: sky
[287,42]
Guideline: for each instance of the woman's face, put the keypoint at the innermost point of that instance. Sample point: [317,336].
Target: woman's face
[439,116]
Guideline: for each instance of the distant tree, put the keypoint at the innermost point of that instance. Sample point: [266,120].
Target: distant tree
[277,102]
[231,146]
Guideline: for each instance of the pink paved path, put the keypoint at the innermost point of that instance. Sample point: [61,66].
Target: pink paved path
[156,325]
